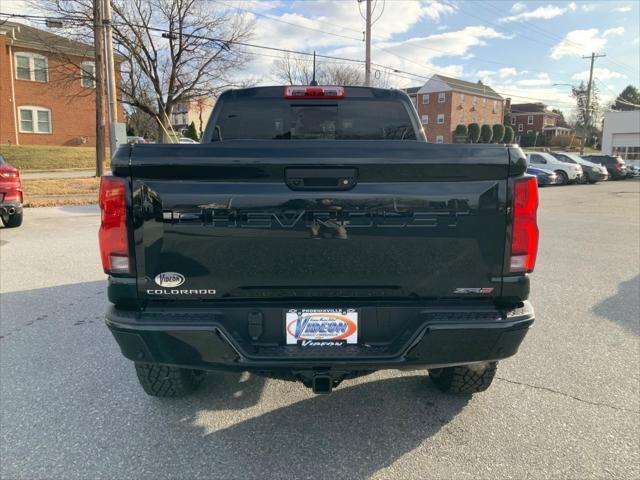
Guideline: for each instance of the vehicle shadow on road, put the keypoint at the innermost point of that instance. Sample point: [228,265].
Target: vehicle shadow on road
[352,433]
[623,308]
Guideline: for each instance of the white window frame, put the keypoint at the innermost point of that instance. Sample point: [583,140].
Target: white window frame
[513,120]
[425,119]
[32,71]
[484,101]
[462,98]
[520,127]
[425,99]
[442,97]
[34,119]
[529,119]
[440,117]
[495,106]
[87,80]
[439,139]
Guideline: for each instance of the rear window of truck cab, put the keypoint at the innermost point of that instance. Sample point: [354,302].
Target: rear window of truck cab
[286,119]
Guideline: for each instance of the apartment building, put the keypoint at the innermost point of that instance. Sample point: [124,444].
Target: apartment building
[47,88]
[445,102]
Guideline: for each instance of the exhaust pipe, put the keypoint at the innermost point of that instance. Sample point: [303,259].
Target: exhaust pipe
[11,210]
[322,384]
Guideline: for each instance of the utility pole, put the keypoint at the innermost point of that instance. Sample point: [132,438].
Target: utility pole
[587,119]
[98,40]
[112,94]
[367,39]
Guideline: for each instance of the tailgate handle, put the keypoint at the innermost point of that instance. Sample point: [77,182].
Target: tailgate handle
[321,178]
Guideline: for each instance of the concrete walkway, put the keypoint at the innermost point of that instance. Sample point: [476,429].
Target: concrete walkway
[57,174]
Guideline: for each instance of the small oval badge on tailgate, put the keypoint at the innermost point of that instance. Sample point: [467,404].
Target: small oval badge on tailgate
[170,279]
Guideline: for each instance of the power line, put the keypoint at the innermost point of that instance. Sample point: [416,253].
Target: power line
[391,70]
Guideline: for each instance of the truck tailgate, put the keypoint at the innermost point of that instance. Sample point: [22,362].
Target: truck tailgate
[318,220]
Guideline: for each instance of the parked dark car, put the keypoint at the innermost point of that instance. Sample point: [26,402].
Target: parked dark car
[615,165]
[10,195]
[545,177]
[288,244]
[593,172]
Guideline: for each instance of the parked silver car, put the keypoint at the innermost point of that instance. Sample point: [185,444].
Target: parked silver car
[567,172]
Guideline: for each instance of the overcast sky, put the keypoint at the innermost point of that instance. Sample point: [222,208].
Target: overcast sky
[520,48]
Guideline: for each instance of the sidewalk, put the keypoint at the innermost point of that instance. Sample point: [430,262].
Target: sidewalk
[57,174]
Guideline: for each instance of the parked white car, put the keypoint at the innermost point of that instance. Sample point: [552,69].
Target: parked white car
[566,172]
[187,140]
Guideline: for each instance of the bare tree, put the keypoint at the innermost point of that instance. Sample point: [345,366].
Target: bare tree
[173,50]
[297,70]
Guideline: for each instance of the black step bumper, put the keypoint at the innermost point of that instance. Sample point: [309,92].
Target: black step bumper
[393,337]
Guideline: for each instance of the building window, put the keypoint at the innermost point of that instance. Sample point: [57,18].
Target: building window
[425,119]
[88,74]
[439,139]
[35,120]
[425,99]
[529,119]
[31,66]
[495,106]
[475,101]
[414,101]
[520,127]
[442,97]
[513,120]
[484,101]
[462,98]
[440,119]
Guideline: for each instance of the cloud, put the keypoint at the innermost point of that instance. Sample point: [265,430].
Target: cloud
[613,31]
[581,42]
[518,7]
[507,72]
[588,7]
[544,12]
[622,9]
[539,80]
[599,73]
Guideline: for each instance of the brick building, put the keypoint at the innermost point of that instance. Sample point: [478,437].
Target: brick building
[445,102]
[196,110]
[536,117]
[47,88]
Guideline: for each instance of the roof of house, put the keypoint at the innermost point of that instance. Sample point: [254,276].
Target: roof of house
[537,107]
[26,36]
[463,86]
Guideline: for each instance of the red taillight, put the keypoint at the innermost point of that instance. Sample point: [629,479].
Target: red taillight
[114,244]
[524,238]
[328,93]
[7,171]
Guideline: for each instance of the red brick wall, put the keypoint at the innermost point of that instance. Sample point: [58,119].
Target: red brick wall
[72,106]
[538,122]
[457,109]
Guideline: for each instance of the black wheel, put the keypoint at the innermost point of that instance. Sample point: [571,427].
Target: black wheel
[465,378]
[562,178]
[163,381]
[14,220]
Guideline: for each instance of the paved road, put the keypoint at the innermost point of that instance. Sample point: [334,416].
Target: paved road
[566,406]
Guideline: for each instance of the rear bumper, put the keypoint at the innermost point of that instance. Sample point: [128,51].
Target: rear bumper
[218,338]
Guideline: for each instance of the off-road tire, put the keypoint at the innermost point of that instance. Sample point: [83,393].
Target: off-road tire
[464,378]
[167,382]
[14,220]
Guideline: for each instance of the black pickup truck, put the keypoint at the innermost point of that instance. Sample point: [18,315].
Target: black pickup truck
[315,235]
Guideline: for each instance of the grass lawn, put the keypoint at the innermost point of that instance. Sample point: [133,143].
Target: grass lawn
[44,157]
[54,192]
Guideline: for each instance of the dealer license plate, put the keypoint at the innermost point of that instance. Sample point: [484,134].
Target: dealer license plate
[321,327]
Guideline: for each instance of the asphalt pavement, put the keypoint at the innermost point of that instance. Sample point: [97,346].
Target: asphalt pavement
[566,406]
